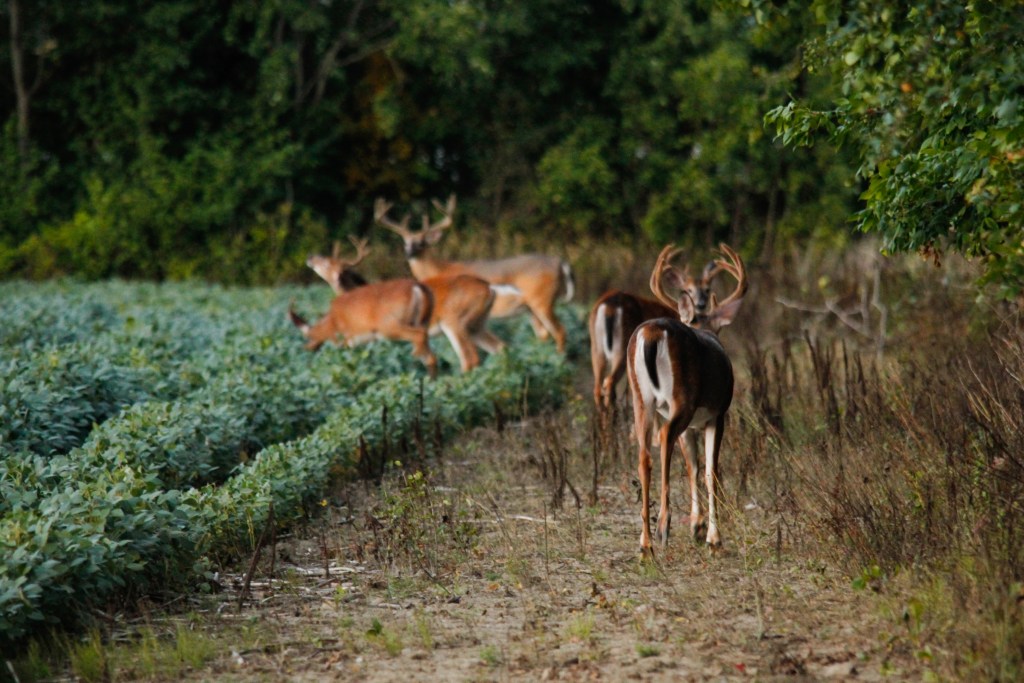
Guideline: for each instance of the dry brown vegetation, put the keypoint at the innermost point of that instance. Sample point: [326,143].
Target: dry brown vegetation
[873,472]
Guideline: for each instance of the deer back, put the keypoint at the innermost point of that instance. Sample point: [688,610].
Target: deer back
[514,270]
[672,359]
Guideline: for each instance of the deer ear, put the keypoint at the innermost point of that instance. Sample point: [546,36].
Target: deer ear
[685,307]
[720,317]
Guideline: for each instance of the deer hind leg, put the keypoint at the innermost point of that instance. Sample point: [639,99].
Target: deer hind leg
[543,315]
[464,349]
[712,444]
[477,332]
[417,336]
[643,432]
[606,355]
[688,444]
[487,341]
[607,393]
[612,380]
[462,328]
[538,326]
[669,432]
[600,382]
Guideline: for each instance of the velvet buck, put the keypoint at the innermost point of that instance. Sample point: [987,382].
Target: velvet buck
[537,279]
[680,377]
[462,303]
[392,309]
[614,317]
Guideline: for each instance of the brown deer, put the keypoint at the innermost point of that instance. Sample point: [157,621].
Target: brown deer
[680,377]
[537,279]
[462,303]
[616,314]
[392,309]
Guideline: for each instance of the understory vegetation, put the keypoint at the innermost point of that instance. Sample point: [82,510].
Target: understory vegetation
[896,446]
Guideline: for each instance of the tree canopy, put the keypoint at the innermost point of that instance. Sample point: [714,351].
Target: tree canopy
[930,104]
[227,140]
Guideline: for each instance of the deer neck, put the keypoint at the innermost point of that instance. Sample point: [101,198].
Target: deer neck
[424,266]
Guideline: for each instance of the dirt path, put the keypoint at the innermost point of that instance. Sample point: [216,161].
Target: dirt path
[470,574]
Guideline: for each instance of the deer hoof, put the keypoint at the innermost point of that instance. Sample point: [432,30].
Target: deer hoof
[698,527]
[662,534]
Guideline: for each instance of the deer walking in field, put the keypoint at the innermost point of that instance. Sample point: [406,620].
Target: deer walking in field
[537,279]
[462,303]
[393,309]
[614,317]
[681,377]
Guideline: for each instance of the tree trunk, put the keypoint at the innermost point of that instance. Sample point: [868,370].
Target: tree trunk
[768,246]
[22,94]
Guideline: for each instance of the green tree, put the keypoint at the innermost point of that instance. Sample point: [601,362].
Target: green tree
[170,139]
[931,105]
[681,131]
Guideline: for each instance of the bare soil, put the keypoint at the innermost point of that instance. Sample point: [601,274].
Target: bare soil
[473,573]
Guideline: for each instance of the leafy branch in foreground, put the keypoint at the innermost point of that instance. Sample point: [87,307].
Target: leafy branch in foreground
[931,104]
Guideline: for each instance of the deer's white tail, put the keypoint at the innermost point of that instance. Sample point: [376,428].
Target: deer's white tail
[609,330]
[422,305]
[506,290]
[569,280]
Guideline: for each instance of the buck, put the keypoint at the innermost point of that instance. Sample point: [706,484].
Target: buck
[616,314]
[337,272]
[537,279]
[392,309]
[681,377]
[462,303]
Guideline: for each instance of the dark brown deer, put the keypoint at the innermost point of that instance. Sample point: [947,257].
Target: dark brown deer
[681,377]
[616,314]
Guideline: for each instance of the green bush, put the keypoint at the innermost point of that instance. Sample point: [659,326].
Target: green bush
[116,513]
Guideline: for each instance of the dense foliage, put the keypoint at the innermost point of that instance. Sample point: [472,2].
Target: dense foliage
[931,104]
[228,140]
[180,473]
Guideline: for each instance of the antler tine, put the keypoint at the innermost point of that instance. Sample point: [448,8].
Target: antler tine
[361,250]
[447,210]
[734,266]
[380,215]
[662,265]
[336,250]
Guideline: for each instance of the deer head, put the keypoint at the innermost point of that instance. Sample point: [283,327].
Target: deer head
[715,315]
[337,272]
[416,241]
